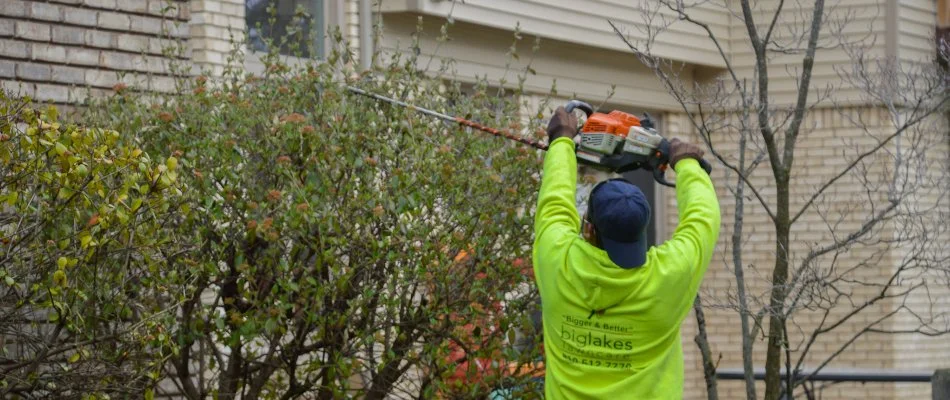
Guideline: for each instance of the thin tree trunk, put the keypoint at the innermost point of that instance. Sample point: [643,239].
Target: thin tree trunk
[773,360]
[186,340]
[748,371]
[383,381]
[777,334]
[231,377]
[709,367]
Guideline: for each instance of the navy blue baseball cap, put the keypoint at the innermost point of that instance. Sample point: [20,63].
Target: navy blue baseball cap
[620,214]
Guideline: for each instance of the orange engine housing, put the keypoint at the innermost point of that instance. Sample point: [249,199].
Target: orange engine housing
[616,123]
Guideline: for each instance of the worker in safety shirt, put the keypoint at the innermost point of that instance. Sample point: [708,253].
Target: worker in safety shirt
[612,308]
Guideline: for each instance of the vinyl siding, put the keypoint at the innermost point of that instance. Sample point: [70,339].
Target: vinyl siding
[916,24]
[579,71]
[866,23]
[564,20]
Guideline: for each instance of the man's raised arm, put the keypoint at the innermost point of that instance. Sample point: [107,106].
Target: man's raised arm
[556,199]
[699,217]
[556,208]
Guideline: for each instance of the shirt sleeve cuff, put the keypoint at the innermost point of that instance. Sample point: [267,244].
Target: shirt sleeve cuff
[562,139]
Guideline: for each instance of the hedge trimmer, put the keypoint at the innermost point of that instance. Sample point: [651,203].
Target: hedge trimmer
[615,141]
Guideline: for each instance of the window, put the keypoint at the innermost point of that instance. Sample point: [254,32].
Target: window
[296,27]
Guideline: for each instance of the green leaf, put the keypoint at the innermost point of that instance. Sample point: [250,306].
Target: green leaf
[85,240]
[73,358]
[59,278]
[171,163]
[60,148]
[121,215]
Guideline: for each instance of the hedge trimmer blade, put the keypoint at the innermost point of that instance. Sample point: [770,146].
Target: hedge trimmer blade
[458,120]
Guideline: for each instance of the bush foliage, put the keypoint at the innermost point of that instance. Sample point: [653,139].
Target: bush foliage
[85,250]
[270,236]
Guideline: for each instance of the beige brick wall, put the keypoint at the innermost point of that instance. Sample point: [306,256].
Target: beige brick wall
[214,24]
[351,24]
[920,351]
[828,136]
[60,50]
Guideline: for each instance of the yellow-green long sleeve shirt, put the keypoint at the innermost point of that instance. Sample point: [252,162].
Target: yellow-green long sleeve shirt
[630,348]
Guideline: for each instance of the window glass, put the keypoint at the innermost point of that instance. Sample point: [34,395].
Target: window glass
[296,27]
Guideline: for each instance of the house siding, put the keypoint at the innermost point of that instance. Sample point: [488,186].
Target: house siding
[915,35]
[578,71]
[866,23]
[566,21]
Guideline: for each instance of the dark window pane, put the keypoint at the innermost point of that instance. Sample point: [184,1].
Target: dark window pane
[295,27]
[644,180]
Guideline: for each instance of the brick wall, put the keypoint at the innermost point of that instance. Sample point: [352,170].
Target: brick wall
[351,24]
[60,50]
[919,351]
[829,133]
[214,23]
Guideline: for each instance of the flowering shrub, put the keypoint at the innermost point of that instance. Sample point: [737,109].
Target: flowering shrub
[318,231]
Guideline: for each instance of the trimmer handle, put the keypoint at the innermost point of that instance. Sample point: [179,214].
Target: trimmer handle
[660,164]
[577,104]
[659,174]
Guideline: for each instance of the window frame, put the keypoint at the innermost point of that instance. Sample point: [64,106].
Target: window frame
[332,17]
